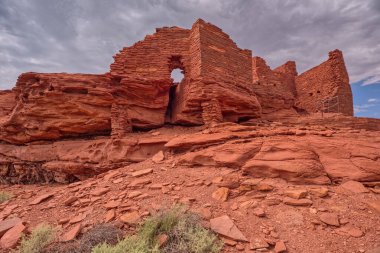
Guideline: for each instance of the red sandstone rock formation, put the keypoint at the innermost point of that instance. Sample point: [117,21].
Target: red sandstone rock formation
[52,106]
[221,83]
[7,102]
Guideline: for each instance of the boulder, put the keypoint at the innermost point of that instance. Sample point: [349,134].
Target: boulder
[7,224]
[354,186]
[223,225]
[11,237]
[72,233]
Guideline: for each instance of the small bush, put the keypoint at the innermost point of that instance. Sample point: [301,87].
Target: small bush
[38,239]
[101,233]
[185,235]
[4,196]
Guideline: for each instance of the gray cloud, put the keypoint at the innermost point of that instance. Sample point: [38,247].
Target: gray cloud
[82,36]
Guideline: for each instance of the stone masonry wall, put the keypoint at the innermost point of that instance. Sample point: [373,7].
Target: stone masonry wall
[226,74]
[275,89]
[326,82]
[144,70]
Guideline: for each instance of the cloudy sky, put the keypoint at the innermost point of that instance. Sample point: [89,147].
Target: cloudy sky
[82,35]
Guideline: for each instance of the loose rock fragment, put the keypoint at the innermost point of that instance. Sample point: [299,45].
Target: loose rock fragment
[225,226]
[297,202]
[221,194]
[355,187]
[159,157]
[280,247]
[11,237]
[131,218]
[143,172]
[330,219]
[296,193]
[72,234]
[42,198]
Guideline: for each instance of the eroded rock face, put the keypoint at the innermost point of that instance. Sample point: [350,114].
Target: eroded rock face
[66,161]
[315,157]
[52,106]
[7,102]
[287,159]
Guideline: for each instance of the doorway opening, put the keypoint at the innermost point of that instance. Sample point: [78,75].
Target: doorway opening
[177,74]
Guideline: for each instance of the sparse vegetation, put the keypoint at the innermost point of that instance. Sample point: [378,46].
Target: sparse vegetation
[185,235]
[38,239]
[100,233]
[4,196]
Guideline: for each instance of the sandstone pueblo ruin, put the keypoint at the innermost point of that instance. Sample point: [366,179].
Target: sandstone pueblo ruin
[221,83]
[47,120]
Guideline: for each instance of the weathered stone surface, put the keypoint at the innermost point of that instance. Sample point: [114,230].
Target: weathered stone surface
[110,215]
[319,192]
[225,226]
[280,247]
[221,194]
[297,202]
[375,205]
[258,243]
[143,172]
[355,187]
[275,89]
[330,219]
[158,157]
[41,198]
[72,233]
[131,218]
[48,102]
[7,102]
[325,82]
[10,238]
[63,161]
[7,224]
[287,159]
[232,155]
[350,231]
[296,193]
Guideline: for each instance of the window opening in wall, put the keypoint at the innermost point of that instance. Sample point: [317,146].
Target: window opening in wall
[177,75]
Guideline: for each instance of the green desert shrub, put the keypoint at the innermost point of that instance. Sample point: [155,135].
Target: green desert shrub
[185,235]
[40,237]
[4,196]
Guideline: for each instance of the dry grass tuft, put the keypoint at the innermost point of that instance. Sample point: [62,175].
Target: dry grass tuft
[185,235]
[38,239]
[4,196]
[102,233]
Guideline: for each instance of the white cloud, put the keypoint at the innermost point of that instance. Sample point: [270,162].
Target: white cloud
[373,100]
